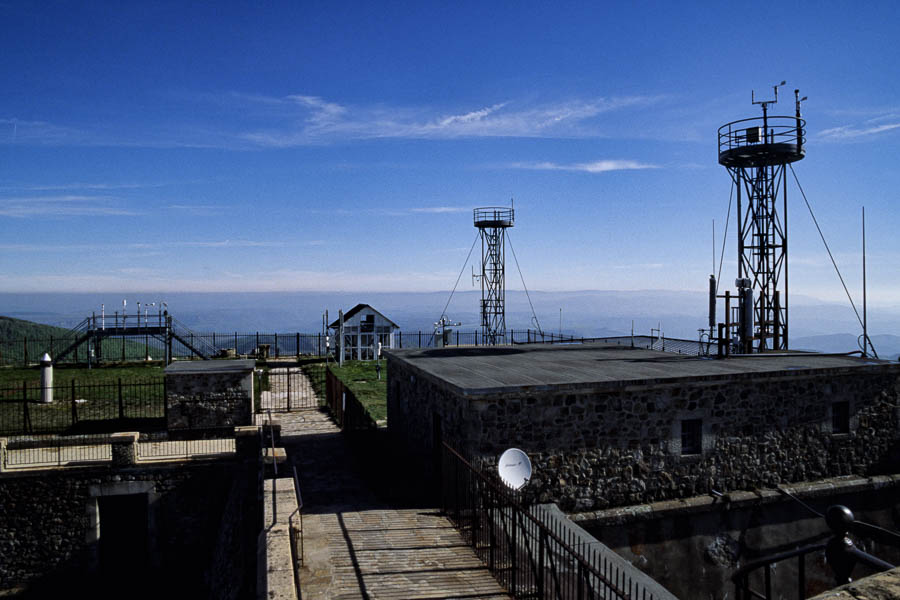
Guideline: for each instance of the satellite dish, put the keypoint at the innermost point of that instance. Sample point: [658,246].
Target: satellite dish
[514,468]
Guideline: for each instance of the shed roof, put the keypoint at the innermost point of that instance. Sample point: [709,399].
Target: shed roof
[350,313]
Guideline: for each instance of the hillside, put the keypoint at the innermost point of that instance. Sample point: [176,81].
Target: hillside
[18,329]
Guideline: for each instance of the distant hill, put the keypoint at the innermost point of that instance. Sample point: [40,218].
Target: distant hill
[887,346]
[17,329]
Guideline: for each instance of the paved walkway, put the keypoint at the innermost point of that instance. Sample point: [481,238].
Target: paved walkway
[357,546]
[289,389]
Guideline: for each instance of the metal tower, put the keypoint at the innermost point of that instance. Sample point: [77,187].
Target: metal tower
[756,152]
[492,222]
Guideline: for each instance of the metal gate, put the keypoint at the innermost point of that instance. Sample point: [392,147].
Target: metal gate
[289,388]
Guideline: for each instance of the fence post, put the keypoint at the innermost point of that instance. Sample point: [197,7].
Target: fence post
[420,338]
[26,417]
[236,353]
[289,388]
[165,403]
[121,404]
[25,351]
[298,345]
[276,345]
[542,544]
[123,347]
[74,408]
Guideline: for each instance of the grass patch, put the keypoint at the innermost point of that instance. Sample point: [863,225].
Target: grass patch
[362,379]
[62,374]
[315,372]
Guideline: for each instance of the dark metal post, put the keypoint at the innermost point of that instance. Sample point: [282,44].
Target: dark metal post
[121,403]
[298,345]
[289,388]
[74,411]
[26,417]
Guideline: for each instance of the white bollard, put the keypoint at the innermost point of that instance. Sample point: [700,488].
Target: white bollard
[46,378]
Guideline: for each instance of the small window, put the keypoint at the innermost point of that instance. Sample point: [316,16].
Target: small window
[840,417]
[691,436]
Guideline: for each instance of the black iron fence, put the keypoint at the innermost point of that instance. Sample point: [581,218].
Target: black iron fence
[348,412]
[530,554]
[288,388]
[29,408]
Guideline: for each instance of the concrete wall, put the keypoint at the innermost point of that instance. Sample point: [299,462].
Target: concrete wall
[694,547]
[602,446]
[50,527]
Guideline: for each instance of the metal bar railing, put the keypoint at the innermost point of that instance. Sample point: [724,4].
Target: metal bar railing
[296,532]
[525,552]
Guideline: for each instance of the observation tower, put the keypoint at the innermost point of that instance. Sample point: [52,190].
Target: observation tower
[492,223]
[756,152]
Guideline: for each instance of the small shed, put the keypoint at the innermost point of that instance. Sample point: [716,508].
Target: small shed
[364,329]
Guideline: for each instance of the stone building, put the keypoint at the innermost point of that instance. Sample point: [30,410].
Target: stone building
[610,425]
[364,330]
[678,463]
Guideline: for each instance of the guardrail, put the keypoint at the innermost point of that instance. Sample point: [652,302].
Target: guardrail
[295,529]
[529,555]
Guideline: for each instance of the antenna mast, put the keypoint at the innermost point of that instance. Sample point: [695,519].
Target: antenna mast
[756,152]
[492,222]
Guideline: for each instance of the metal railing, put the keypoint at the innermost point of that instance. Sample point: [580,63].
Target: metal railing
[531,555]
[295,529]
[749,132]
[30,452]
[841,556]
[346,409]
[206,443]
[288,388]
[24,409]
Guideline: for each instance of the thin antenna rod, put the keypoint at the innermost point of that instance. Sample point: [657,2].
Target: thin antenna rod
[714,245]
[865,316]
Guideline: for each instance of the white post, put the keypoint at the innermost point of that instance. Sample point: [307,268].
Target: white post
[46,379]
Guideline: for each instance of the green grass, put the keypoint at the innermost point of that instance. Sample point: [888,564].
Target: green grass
[361,378]
[13,376]
[315,371]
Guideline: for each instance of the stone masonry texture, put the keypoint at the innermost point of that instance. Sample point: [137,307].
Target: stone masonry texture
[600,446]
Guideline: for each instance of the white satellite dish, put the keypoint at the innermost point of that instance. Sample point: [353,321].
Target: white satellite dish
[514,468]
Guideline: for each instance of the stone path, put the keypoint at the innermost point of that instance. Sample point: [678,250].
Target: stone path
[356,546]
[289,389]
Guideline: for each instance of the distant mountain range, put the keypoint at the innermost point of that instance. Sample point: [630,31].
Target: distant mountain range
[815,325]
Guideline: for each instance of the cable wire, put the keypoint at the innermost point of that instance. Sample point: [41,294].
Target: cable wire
[725,237]
[444,312]
[527,295]
[822,235]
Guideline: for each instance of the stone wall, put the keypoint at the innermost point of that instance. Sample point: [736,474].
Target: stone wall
[611,445]
[50,526]
[694,546]
[200,396]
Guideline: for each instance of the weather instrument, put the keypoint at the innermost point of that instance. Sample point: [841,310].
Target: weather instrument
[514,468]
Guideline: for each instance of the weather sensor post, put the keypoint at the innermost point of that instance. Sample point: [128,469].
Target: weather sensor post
[492,223]
[756,152]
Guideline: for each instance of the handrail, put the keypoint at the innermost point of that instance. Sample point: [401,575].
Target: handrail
[585,568]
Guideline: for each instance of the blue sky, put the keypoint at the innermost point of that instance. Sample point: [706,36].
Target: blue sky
[342,146]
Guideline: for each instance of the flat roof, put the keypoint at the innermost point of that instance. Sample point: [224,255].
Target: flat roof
[533,367]
[211,366]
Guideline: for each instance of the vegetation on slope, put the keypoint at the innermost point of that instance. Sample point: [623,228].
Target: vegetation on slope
[362,379]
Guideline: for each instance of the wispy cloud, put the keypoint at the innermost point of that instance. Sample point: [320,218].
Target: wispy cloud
[318,121]
[62,206]
[597,166]
[441,209]
[199,210]
[142,246]
[248,120]
[870,127]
